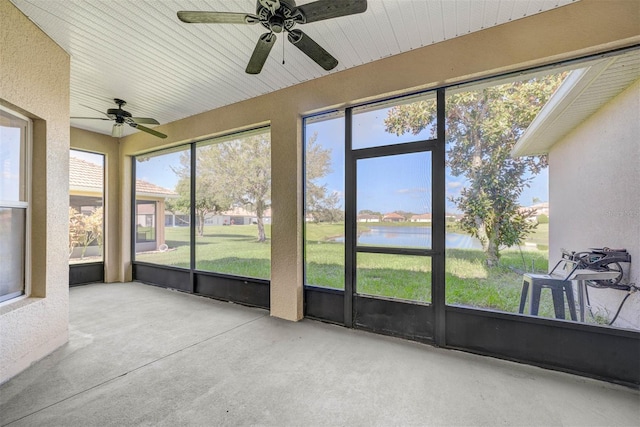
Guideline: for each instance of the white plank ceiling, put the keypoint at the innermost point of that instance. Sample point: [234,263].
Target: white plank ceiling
[138,50]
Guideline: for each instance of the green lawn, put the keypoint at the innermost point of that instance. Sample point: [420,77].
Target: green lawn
[230,250]
[234,250]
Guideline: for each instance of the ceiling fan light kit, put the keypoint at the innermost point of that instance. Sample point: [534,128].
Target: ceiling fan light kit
[122,117]
[278,16]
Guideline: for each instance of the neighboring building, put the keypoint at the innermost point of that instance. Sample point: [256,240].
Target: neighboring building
[237,216]
[426,217]
[368,218]
[536,210]
[589,129]
[393,217]
[86,185]
[150,215]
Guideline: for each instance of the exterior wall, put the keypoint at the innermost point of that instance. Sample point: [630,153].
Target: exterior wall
[107,145]
[595,196]
[160,217]
[35,82]
[585,27]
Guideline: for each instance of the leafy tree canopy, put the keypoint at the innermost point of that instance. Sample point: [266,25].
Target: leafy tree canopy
[322,204]
[482,128]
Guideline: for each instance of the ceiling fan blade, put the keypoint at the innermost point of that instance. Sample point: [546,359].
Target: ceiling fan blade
[148,130]
[260,53]
[312,49]
[326,9]
[90,118]
[116,131]
[101,112]
[193,17]
[144,120]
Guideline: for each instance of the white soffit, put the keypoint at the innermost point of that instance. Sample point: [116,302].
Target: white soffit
[137,50]
[583,92]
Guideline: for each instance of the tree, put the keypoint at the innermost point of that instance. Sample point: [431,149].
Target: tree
[325,208]
[93,229]
[482,128]
[241,171]
[76,228]
[85,229]
[210,198]
[238,173]
[323,204]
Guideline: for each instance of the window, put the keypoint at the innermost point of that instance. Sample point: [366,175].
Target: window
[162,194]
[495,201]
[392,201]
[377,125]
[324,201]
[86,213]
[233,205]
[534,165]
[14,204]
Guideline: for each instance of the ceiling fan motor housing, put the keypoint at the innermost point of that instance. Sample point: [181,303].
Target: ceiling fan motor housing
[119,114]
[282,19]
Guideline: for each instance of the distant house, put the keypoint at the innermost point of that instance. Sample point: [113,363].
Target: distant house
[450,217]
[426,217]
[86,185]
[393,217]
[368,218]
[150,215]
[536,210]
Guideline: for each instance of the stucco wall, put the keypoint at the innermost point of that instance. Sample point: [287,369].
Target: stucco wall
[109,146]
[35,82]
[594,194]
[585,27]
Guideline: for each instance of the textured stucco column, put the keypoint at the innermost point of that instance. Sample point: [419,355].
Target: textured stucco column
[125,272]
[286,228]
[35,82]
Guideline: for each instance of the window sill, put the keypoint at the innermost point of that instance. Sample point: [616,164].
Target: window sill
[17,303]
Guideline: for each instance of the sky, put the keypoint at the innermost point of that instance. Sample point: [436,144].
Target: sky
[397,182]
[388,184]
[98,159]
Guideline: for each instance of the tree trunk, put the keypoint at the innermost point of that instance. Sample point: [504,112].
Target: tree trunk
[489,245]
[262,237]
[200,224]
[491,253]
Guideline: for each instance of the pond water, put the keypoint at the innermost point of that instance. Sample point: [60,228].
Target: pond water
[411,237]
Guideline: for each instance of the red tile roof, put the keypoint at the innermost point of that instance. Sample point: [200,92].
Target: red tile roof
[85,175]
[152,189]
[392,215]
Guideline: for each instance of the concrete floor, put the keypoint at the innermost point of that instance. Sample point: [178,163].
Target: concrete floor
[140,355]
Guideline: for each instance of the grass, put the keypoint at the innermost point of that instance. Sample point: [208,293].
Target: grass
[235,250]
[230,250]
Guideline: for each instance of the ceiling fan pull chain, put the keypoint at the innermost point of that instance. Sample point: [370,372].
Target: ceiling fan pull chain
[283,51]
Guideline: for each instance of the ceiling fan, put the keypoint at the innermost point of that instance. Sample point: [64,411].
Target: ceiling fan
[282,15]
[122,117]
